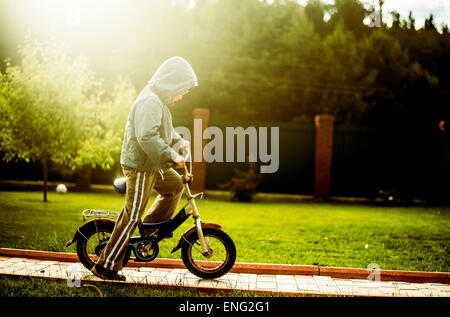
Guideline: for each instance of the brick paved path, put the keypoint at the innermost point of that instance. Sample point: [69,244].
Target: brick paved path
[286,284]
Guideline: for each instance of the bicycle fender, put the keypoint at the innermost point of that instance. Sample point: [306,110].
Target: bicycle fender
[88,227]
[192,229]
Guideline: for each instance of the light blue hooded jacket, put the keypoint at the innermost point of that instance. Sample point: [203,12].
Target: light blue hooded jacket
[149,133]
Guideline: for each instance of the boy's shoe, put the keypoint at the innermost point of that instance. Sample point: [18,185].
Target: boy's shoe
[106,274]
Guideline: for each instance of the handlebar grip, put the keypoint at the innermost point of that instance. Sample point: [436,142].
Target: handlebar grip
[185,155]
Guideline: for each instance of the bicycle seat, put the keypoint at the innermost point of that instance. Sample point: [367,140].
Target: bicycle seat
[120,185]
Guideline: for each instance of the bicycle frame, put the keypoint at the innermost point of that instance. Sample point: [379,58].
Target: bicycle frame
[167,227]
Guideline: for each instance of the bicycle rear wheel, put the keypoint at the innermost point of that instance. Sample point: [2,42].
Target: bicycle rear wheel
[91,245]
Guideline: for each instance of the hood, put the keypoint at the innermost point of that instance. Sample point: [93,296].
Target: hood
[173,77]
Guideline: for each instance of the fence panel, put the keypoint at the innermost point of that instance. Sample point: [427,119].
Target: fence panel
[407,161]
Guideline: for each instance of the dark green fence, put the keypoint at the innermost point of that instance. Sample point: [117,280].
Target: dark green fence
[295,170]
[407,161]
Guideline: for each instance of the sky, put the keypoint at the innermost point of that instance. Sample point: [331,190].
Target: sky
[421,9]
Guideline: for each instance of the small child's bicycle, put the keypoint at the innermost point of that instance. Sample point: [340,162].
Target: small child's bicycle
[207,251]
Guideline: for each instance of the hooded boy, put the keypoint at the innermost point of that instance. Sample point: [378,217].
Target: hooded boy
[146,159]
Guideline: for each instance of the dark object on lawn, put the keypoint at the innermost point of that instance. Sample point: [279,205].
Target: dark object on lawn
[244,185]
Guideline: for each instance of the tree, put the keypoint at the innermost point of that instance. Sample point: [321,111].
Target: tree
[351,14]
[344,82]
[429,24]
[411,22]
[267,61]
[315,11]
[51,111]
[396,77]
[396,23]
[104,125]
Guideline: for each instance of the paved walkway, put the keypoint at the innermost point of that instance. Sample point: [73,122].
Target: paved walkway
[284,284]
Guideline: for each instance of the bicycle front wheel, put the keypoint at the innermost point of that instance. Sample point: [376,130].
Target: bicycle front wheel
[218,263]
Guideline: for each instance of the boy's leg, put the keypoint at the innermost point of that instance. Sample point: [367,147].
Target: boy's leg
[139,187]
[170,190]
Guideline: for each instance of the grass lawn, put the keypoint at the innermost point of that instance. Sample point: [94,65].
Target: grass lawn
[345,235]
[13,286]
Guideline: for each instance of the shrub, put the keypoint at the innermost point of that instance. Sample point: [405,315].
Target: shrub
[244,185]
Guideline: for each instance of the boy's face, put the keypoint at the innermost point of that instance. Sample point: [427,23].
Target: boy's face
[179,97]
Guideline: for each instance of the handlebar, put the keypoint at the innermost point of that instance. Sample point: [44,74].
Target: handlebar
[187,155]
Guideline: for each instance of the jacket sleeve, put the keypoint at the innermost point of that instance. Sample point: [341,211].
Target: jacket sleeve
[147,119]
[176,137]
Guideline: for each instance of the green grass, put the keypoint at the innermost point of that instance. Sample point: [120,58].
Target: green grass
[36,287]
[13,286]
[400,238]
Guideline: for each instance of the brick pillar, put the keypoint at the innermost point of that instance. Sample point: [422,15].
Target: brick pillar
[322,155]
[199,164]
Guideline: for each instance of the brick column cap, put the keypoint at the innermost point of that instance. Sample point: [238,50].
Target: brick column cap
[201,113]
[324,118]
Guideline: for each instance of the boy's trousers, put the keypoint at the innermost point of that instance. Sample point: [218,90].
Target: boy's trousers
[139,187]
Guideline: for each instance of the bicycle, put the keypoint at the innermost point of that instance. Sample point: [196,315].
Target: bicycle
[206,250]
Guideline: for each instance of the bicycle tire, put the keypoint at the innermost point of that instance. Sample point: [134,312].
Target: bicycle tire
[207,273]
[82,245]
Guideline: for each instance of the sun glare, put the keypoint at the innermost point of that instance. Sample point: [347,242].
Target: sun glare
[49,16]
[73,17]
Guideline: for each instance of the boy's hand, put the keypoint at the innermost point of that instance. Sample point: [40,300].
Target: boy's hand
[181,163]
[184,145]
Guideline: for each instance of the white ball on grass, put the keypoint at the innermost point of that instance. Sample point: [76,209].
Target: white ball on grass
[61,188]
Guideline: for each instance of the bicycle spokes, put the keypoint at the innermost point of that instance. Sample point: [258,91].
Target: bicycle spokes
[215,257]
[96,243]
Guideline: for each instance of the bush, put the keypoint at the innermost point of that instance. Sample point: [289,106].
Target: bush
[244,185]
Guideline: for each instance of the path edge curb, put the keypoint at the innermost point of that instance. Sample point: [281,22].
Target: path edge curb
[259,268]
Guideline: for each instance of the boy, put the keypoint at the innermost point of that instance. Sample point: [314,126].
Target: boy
[146,159]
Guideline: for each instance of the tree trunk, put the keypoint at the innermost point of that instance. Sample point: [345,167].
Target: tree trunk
[45,179]
[446,168]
